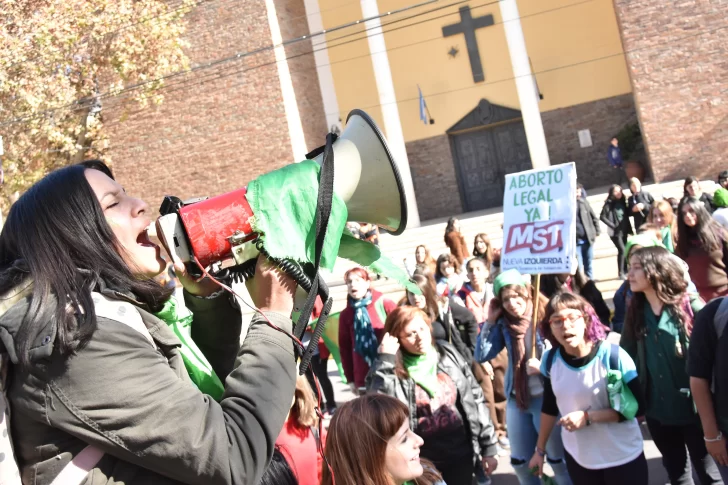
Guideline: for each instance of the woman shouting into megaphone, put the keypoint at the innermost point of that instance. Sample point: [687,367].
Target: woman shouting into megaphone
[97,386]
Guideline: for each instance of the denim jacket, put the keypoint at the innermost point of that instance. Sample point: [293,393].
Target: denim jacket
[491,341]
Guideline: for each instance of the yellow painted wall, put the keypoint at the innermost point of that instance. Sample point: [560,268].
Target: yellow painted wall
[574,46]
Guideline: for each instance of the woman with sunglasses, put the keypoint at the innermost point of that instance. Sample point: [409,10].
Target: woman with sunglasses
[656,335]
[575,387]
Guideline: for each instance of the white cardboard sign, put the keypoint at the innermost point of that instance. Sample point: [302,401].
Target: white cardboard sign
[539,230]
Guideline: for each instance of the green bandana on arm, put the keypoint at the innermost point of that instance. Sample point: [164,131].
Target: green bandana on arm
[179,318]
[423,369]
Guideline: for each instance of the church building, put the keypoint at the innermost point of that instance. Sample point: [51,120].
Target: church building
[273,76]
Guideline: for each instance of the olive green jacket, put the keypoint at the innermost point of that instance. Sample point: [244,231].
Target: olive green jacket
[138,405]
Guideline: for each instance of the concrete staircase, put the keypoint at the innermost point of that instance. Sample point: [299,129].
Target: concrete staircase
[431,234]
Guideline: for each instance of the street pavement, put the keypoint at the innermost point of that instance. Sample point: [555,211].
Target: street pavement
[504,475]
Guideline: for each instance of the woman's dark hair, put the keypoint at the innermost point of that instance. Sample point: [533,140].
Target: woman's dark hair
[278,471]
[554,283]
[443,258]
[688,181]
[429,290]
[56,239]
[706,230]
[595,330]
[667,278]
[612,189]
[451,224]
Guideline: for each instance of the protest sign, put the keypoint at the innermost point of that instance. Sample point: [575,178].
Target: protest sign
[539,210]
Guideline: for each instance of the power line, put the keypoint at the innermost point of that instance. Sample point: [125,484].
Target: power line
[428,40]
[216,62]
[544,71]
[196,4]
[166,89]
[206,77]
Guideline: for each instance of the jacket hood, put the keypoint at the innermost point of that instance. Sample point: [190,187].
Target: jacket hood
[15,305]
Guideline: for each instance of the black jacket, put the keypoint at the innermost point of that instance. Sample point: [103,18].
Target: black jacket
[640,217]
[588,219]
[609,217]
[459,328]
[383,380]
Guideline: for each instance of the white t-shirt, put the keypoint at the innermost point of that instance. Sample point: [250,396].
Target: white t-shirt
[721,215]
[601,445]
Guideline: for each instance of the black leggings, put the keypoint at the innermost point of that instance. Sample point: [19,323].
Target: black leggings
[680,446]
[319,367]
[619,241]
[632,473]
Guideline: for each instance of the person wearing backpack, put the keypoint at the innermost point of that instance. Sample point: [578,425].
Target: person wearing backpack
[576,387]
[656,335]
[708,369]
[98,389]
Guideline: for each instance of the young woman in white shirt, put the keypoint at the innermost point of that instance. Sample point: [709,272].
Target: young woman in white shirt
[602,446]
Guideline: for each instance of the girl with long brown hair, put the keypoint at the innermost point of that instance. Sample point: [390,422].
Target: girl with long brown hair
[510,326]
[656,335]
[424,260]
[445,402]
[703,244]
[483,249]
[370,442]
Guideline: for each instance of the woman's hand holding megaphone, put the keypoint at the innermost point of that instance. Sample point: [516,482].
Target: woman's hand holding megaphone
[271,289]
[194,285]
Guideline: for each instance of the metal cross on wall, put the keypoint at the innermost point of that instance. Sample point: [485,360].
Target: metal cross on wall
[468,25]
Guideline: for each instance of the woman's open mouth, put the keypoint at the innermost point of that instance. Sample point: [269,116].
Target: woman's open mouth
[144,240]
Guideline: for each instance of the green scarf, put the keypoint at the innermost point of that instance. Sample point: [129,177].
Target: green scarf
[179,319]
[423,369]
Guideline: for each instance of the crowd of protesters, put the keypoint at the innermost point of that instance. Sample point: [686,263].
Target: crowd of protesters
[476,367]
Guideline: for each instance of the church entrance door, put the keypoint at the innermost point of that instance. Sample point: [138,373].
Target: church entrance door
[484,154]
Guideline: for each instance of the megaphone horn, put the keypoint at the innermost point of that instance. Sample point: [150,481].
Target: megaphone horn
[366,178]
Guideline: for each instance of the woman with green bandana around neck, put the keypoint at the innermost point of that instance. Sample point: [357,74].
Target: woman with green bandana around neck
[99,379]
[446,405]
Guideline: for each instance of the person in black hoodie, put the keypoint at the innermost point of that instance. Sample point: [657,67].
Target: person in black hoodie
[615,216]
[639,204]
[587,230]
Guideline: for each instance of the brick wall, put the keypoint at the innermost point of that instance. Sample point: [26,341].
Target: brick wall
[603,118]
[433,168]
[433,176]
[677,57]
[218,127]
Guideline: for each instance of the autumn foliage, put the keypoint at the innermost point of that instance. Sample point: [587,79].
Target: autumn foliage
[63,61]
